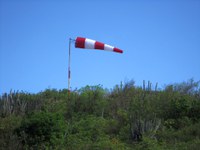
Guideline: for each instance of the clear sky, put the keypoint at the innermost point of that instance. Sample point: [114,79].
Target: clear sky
[160,39]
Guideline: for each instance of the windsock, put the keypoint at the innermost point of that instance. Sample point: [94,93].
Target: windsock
[86,43]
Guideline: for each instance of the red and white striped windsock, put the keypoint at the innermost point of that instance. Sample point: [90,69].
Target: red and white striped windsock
[92,44]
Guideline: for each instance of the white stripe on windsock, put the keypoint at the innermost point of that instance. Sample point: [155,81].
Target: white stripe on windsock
[108,47]
[89,44]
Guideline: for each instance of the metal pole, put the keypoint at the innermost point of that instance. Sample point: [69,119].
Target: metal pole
[69,63]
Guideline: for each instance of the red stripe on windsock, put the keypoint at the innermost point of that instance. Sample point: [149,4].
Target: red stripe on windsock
[98,45]
[80,42]
[117,50]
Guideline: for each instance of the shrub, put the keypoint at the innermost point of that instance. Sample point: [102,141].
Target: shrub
[41,130]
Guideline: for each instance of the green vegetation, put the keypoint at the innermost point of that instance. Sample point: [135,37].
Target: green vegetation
[92,118]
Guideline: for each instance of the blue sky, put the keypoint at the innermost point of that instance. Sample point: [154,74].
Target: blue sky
[160,39]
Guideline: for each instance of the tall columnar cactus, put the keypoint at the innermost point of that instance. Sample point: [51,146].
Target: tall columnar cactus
[21,104]
[12,104]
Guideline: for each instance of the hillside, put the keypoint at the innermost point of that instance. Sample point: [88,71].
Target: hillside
[126,117]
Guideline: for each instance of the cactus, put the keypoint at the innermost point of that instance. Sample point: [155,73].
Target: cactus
[21,104]
[12,104]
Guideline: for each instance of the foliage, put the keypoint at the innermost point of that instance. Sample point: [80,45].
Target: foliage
[41,130]
[89,133]
[8,140]
[125,117]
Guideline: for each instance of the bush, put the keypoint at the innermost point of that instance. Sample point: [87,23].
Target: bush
[42,130]
[89,133]
[7,139]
